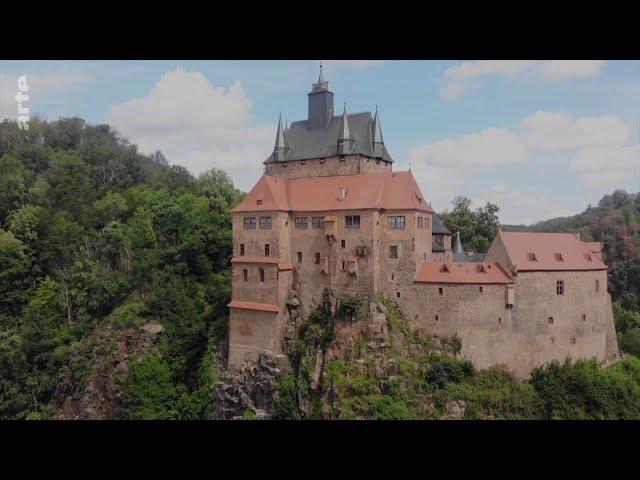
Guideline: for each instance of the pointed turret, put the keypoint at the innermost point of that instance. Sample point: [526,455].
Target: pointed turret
[376,135]
[344,138]
[280,148]
[457,244]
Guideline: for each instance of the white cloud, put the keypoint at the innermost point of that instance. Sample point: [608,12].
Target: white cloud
[562,69]
[458,77]
[600,149]
[40,87]
[483,68]
[524,206]
[559,131]
[197,125]
[492,146]
[603,168]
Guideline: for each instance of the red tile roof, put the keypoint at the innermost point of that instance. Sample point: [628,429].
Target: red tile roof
[262,307]
[254,260]
[462,273]
[576,255]
[388,190]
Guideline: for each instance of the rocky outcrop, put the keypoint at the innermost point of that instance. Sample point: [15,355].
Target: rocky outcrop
[252,388]
[111,352]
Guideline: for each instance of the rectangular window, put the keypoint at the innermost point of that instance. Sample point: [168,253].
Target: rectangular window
[398,294]
[261,275]
[344,267]
[597,286]
[420,222]
[393,251]
[481,289]
[550,320]
[352,221]
[317,222]
[317,258]
[302,223]
[560,287]
[242,249]
[584,318]
[343,243]
[249,223]
[265,223]
[440,291]
[299,257]
[245,275]
[428,220]
[267,250]
[396,222]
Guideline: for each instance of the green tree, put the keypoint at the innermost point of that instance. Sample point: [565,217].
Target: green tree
[148,393]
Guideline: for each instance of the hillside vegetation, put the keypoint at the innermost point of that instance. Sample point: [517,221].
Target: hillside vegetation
[114,281]
[94,235]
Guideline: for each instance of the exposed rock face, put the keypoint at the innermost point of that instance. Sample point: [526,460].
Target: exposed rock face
[111,355]
[252,387]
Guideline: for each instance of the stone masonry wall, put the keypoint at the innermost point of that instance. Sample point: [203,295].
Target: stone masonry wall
[326,167]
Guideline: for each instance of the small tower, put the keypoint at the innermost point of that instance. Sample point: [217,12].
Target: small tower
[376,135]
[344,138]
[457,244]
[320,103]
[280,149]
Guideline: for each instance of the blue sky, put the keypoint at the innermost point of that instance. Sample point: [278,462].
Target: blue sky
[540,138]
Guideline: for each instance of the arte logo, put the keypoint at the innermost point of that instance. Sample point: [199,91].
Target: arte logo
[23,112]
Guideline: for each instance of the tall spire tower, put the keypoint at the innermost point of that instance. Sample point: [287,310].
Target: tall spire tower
[320,103]
[376,135]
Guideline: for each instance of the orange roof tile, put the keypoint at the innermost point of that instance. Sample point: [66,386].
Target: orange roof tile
[262,307]
[285,266]
[594,247]
[254,260]
[388,190]
[574,254]
[462,273]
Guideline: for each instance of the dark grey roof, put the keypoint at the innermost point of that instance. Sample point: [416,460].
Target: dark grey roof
[466,258]
[438,226]
[435,246]
[304,143]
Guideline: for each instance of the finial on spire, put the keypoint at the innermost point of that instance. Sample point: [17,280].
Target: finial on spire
[320,77]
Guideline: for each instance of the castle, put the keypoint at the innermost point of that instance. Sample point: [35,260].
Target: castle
[330,212]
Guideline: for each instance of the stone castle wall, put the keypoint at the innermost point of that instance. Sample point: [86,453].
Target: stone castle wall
[327,167]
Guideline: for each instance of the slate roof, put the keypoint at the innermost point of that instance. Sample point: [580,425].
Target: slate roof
[303,143]
[461,273]
[464,257]
[387,190]
[438,226]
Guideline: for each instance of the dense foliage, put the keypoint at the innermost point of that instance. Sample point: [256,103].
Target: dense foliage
[477,227]
[93,233]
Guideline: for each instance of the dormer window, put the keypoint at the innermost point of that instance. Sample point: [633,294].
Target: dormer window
[531,256]
[284,165]
[444,268]
[303,162]
[559,257]
[259,202]
[321,161]
[481,269]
